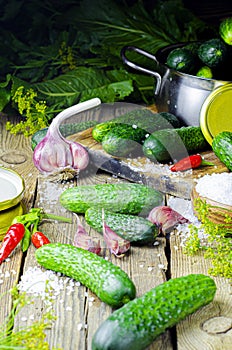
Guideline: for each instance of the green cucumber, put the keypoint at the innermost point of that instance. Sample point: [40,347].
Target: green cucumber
[140,118]
[182,60]
[222,147]
[100,130]
[213,52]
[132,228]
[109,282]
[205,72]
[127,198]
[138,323]
[124,140]
[65,129]
[225,30]
[169,144]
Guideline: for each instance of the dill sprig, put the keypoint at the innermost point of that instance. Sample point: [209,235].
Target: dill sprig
[218,239]
[34,112]
[29,338]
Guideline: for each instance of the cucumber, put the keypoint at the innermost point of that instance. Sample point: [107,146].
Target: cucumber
[138,323]
[100,130]
[109,282]
[212,52]
[225,30]
[205,72]
[169,144]
[141,118]
[135,229]
[182,60]
[222,147]
[65,129]
[124,140]
[127,198]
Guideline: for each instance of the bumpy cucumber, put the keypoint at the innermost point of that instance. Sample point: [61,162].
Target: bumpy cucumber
[222,147]
[141,118]
[164,145]
[108,281]
[213,52]
[65,129]
[137,324]
[130,227]
[123,140]
[128,198]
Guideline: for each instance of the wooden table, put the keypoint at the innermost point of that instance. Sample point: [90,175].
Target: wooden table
[80,312]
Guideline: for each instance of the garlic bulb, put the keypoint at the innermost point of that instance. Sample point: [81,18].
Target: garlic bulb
[54,153]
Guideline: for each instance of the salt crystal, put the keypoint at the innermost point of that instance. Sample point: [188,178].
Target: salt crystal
[43,283]
[1,281]
[79,326]
[217,187]
[161,266]
[150,268]
[23,319]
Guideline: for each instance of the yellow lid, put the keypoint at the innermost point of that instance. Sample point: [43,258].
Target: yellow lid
[216,112]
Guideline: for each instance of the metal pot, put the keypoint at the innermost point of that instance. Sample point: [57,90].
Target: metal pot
[175,92]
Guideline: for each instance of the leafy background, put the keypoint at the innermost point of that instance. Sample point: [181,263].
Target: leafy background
[68,52]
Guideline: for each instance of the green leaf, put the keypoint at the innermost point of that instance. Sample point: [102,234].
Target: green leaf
[81,84]
[5,94]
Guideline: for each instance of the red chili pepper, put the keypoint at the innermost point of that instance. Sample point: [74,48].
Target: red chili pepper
[39,239]
[13,236]
[191,162]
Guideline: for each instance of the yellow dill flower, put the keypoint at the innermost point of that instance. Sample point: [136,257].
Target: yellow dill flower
[34,112]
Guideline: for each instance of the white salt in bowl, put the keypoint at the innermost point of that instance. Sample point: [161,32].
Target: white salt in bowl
[216,191]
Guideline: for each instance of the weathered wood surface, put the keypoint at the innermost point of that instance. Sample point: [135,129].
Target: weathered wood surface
[80,312]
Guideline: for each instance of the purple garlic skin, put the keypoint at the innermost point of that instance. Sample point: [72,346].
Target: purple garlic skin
[83,240]
[116,244]
[54,154]
[166,218]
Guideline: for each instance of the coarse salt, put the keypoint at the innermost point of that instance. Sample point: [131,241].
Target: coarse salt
[41,283]
[217,187]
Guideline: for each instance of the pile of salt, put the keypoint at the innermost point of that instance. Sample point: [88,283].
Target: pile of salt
[217,187]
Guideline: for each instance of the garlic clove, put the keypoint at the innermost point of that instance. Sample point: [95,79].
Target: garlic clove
[83,240]
[166,218]
[117,245]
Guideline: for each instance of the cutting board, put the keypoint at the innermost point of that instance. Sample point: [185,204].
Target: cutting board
[142,170]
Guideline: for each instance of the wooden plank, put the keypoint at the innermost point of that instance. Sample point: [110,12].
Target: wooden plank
[211,326]
[16,154]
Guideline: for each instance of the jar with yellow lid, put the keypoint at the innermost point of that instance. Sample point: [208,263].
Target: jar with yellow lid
[12,188]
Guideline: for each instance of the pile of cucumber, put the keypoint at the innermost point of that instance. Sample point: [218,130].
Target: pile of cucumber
[125,135]
[158,136]
[210,59]
[126,206]
[137,321]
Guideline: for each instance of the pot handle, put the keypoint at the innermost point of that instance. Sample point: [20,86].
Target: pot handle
[142,69]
